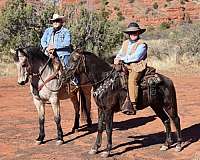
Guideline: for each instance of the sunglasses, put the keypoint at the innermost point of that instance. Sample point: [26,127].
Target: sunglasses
[133,33]
[57,21]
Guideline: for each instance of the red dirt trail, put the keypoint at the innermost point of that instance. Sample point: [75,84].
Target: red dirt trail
[134,137]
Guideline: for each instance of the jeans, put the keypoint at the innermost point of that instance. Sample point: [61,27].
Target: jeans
[64,60]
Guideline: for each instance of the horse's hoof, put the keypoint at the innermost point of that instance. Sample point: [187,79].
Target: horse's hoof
[105,154]
[164,148]
[38,142]
[178,148]
[59,142]
[92,151]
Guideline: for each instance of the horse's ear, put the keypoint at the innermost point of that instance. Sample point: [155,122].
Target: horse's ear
[79,50]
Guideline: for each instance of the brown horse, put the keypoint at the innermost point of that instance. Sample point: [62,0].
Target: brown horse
[46,85]
[110,94]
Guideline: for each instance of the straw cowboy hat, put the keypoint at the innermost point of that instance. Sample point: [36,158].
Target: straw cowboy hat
[56,17]
[134,27]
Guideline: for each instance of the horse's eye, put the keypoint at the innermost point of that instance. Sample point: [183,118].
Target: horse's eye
[24,65]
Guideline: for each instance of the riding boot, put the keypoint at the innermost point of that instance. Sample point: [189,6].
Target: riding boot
[128,108]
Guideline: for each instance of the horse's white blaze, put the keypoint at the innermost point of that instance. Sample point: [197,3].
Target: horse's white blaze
[22,73]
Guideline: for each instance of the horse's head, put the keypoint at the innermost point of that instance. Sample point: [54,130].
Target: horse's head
[76,62]
[23,67]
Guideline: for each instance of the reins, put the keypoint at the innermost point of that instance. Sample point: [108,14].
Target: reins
[89,84]
[49,79]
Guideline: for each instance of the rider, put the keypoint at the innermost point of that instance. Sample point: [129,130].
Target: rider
[57,39]
[133,53]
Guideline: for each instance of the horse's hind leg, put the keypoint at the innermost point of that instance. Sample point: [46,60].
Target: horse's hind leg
[41,114]
[101,124]
[76,105]
[176,120]
[56,110]
[166,121]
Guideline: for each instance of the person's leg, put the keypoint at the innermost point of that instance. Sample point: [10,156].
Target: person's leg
[65,62]
[133,86]
[127,107]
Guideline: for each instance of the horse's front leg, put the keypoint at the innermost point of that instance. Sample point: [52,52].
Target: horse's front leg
[56,110]
[75,102]
[98,142]
[87,102]
[41,114]
[109,123]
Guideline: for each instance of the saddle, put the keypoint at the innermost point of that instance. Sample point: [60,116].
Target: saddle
[149,78]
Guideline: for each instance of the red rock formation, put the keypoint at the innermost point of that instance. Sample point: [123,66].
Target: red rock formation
[143,11]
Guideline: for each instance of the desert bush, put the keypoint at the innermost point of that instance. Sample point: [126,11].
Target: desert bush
[164,25]
[21,25]
[93,30]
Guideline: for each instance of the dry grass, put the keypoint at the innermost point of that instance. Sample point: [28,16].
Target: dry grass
[7,69]
[162,56]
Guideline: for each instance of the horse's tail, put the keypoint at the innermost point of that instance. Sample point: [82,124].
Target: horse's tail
[85,103]
[172,110]
[174,99]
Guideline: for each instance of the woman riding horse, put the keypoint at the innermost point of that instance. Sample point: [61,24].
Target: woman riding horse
[109,94]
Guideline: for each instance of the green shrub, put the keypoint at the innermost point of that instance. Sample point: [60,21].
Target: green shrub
[155,5]
[21,25]
[164,25]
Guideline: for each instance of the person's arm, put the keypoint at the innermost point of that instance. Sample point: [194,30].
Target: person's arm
[43,41]
[119,56]
[140,54]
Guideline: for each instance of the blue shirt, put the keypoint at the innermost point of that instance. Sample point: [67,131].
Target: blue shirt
[60,39]
[140,53]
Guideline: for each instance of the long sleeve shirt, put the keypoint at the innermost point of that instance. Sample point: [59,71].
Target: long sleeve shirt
[129,57]
[60,39]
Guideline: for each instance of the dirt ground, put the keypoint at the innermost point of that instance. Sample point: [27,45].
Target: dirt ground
[134,137]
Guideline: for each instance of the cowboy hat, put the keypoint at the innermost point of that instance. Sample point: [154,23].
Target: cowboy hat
[134,27]
[57,16]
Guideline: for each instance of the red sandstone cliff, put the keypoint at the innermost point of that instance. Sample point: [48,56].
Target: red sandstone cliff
[146,12]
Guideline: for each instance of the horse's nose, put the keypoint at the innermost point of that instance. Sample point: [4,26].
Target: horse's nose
[21,83]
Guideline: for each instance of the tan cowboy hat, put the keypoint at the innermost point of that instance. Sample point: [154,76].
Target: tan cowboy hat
[134,27]
[57,16]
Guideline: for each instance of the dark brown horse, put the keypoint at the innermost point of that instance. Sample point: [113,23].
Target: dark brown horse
[109,94]
[34,65]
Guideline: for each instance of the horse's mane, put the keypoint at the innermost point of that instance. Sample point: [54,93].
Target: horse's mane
[35,53]
[95,60]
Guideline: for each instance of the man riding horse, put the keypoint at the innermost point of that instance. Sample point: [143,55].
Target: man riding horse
[133,53]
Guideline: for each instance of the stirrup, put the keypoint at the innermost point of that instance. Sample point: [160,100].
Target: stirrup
[74,83]
[128,108]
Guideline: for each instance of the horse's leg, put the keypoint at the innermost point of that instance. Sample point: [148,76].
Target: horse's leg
[41,114]
[166,121]
[87,101]
[109,123]
[76,105]
[176,120]
[97,145]
[56,110]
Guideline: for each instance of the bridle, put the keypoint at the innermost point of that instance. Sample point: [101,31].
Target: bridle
[76,69]
[38,75]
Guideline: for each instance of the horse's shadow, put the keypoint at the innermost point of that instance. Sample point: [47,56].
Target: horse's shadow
[123,125]
[190,135]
